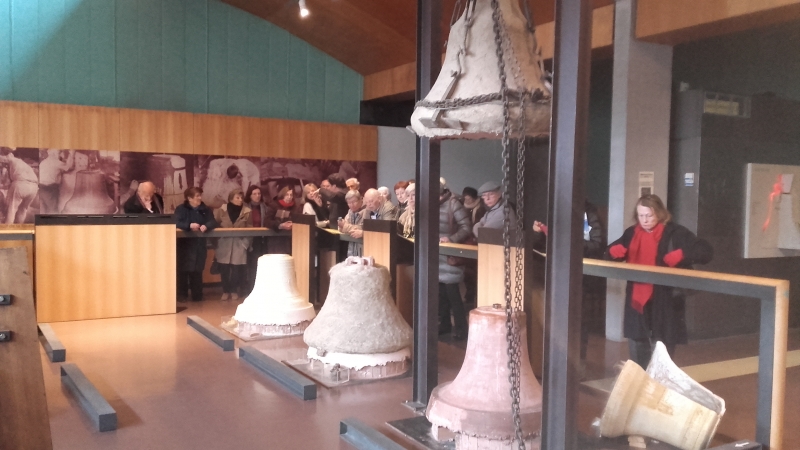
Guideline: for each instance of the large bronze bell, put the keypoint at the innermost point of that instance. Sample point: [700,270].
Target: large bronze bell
[477,404]
[90,195]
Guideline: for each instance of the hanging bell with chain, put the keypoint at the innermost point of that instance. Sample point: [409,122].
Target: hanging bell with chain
[466,101]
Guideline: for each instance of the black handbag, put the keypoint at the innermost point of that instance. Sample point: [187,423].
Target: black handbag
[214,269]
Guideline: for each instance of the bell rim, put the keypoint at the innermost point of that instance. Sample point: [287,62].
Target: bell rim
[486,424]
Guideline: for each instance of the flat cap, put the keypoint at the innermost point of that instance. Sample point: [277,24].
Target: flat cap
[489,186]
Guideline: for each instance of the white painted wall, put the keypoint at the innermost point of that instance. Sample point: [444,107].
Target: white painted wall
[464,163]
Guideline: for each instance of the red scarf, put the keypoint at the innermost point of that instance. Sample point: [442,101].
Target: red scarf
[255,214]
[643,250]
[285,205]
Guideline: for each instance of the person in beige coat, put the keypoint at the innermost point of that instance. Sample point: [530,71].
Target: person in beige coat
[231,253]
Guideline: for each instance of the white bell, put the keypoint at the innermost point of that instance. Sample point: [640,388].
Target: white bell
[663,403]
[274,308]
[471,72]
[359,327]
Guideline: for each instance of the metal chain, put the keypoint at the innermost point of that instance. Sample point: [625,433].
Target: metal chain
[511,329]
[513,97]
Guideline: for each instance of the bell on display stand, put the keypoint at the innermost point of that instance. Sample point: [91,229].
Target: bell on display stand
[90,195]
[663,403]
[476,406]
[465,100]
[359,332]
[274,308]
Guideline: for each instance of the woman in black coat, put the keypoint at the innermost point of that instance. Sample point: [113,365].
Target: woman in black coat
[192,215]
[652,312]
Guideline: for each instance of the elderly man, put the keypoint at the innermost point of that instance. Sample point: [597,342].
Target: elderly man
[23,189]
[353,222]
[377,207]
[353,184]
[494,202]
[146,200]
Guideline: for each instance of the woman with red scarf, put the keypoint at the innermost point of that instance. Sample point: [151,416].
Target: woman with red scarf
[280,218]
[652,312]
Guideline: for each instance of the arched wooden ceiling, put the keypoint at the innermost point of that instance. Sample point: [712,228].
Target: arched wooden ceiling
[366,35]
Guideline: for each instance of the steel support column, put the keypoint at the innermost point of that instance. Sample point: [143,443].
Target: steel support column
[563,273]
[426,244]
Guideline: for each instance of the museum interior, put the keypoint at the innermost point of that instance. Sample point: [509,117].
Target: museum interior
[431,224]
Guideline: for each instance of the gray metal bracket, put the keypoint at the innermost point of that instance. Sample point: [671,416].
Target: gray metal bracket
[363,437]
[102,415]
[52,345]
[297,384]
[213,333]
[5,335]
[5,299]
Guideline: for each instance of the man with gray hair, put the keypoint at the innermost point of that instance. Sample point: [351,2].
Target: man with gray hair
[494,202]
[146,200]
[353,222]
[377,208]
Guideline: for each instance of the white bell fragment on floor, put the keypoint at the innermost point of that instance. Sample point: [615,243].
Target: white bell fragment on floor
[663,403]
[274,308]
[359,328]
[470,73]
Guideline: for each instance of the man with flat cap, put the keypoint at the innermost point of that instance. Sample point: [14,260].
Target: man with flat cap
[494,202]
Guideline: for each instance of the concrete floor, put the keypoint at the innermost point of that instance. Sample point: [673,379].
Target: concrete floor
[174,389]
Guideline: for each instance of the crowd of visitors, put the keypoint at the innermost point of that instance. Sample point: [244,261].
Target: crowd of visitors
[652,313]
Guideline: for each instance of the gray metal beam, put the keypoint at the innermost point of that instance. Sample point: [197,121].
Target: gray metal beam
[364,437]
[213,333]
[297,384]
[426,251]
[102,415]
[563,273]
[52,345]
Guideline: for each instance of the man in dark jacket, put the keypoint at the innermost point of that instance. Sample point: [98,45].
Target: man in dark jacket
[192,215]
[454,226]
[337,205]
[145,201]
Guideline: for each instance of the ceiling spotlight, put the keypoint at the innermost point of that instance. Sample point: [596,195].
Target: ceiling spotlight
[303,9]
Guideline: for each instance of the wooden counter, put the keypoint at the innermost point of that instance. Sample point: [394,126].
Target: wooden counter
[95,267]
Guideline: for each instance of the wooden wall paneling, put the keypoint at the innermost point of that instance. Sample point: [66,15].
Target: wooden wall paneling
[79,127]
[303,261]
[679,21]
[491,276]
[276,134]
[208,134]
[327,259]
[405,292]
[241,136]
[156,131]
[84,271]
[23,404]
[19,124]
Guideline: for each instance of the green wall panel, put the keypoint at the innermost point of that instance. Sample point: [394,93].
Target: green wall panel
[315,85]
[52,81]
[184,55]
[102,53]
[5,49]
[77,52]
[196,55]
[24,47]
[278,79]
